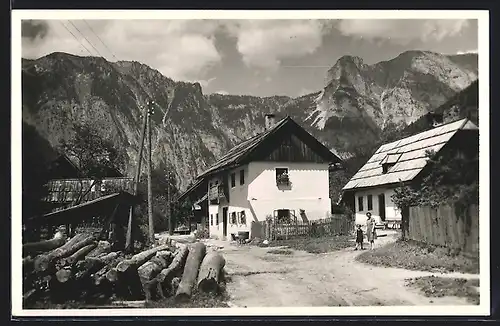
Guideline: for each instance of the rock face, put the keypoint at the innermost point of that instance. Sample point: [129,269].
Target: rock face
[191,130]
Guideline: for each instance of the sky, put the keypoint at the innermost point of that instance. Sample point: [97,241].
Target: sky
[247,57]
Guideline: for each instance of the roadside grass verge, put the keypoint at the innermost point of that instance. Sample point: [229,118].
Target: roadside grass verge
[433,286]
[416,256]
[318,245]
[280,251]
[198,300]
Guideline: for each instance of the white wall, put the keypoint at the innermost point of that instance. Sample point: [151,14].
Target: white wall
[309,189]
[392,213]
[237,202]
[259,196]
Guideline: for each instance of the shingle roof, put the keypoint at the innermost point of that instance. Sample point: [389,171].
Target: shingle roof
[408,156]
[238,151]
[236,155]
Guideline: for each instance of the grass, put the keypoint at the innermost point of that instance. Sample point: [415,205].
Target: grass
[280,251]
[433,286]
[415,256]
[317,245]
[198,300]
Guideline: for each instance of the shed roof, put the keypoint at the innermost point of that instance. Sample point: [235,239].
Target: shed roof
[407,156]
[85,210]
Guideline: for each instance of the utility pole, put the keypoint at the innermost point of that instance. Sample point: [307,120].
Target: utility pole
[129,243]
[169,205]
[150,193]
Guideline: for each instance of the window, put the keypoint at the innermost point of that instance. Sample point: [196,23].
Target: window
[212,219]
[283,215]
[242,177]
[217,219]
[282,177]
[386,167]
[233,180]
[233,218]
[243,218]
[370,202]
[360,204]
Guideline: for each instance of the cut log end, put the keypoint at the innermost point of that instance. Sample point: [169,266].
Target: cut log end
[209,285]
[63,275]
[41,263]
[112,275]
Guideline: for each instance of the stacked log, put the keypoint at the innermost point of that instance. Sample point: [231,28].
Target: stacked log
[82,268]
[163,280]
[210,272]
[196,254]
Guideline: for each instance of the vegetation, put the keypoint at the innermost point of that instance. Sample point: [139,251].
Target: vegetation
[418,256]
[318,245]
[433,286]
[94,156]
[37,153]
[280,251]
[450,180]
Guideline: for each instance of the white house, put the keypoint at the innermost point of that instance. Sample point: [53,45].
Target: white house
[404,161]
[281,172]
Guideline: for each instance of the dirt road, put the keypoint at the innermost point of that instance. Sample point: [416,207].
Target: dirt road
[261,279]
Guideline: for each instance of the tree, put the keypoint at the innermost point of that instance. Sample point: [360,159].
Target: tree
[161,178]
[94,156]
[452,179]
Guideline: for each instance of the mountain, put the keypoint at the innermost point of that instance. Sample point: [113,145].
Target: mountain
[191,129]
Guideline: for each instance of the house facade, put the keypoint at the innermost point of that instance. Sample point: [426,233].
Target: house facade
[403,161]
[281,173]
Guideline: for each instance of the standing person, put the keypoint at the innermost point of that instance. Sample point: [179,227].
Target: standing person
[371,235]
[359,238]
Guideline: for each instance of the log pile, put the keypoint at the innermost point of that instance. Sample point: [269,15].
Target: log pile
[84,269]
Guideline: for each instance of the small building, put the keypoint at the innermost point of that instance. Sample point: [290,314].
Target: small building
[66,183]
[281,173]
[403,161]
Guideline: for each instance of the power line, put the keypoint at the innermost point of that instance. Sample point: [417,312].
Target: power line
[100,40]
[86,38]
[76,38]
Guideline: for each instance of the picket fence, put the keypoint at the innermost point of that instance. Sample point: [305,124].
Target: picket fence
[271,229]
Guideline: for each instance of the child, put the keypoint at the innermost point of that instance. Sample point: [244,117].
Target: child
[359,238]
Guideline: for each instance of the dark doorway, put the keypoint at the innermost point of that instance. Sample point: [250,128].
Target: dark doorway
[381,206]
[224,221]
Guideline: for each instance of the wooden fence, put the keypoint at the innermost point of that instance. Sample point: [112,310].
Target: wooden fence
[446,227]
[272,230]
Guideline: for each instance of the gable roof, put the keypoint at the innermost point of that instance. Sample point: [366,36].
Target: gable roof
[241,153]
[408,156]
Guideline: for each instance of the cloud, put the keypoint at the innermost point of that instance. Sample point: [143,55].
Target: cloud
[203,82]
[222,92]
[34,29]
[264,43]
[305,91]
[180,49]
[402,31]
[468,51]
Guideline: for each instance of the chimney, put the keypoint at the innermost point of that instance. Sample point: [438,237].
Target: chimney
[269,118]
[435,119]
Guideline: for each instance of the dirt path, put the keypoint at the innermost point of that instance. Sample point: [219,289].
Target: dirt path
[261,279]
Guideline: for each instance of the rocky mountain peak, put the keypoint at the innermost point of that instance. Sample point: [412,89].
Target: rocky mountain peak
[191,130]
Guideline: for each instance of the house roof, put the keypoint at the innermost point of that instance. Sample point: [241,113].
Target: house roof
[241,152]
[407,156]
[196,186]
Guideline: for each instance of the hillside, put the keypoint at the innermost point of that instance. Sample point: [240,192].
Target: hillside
[191,130]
